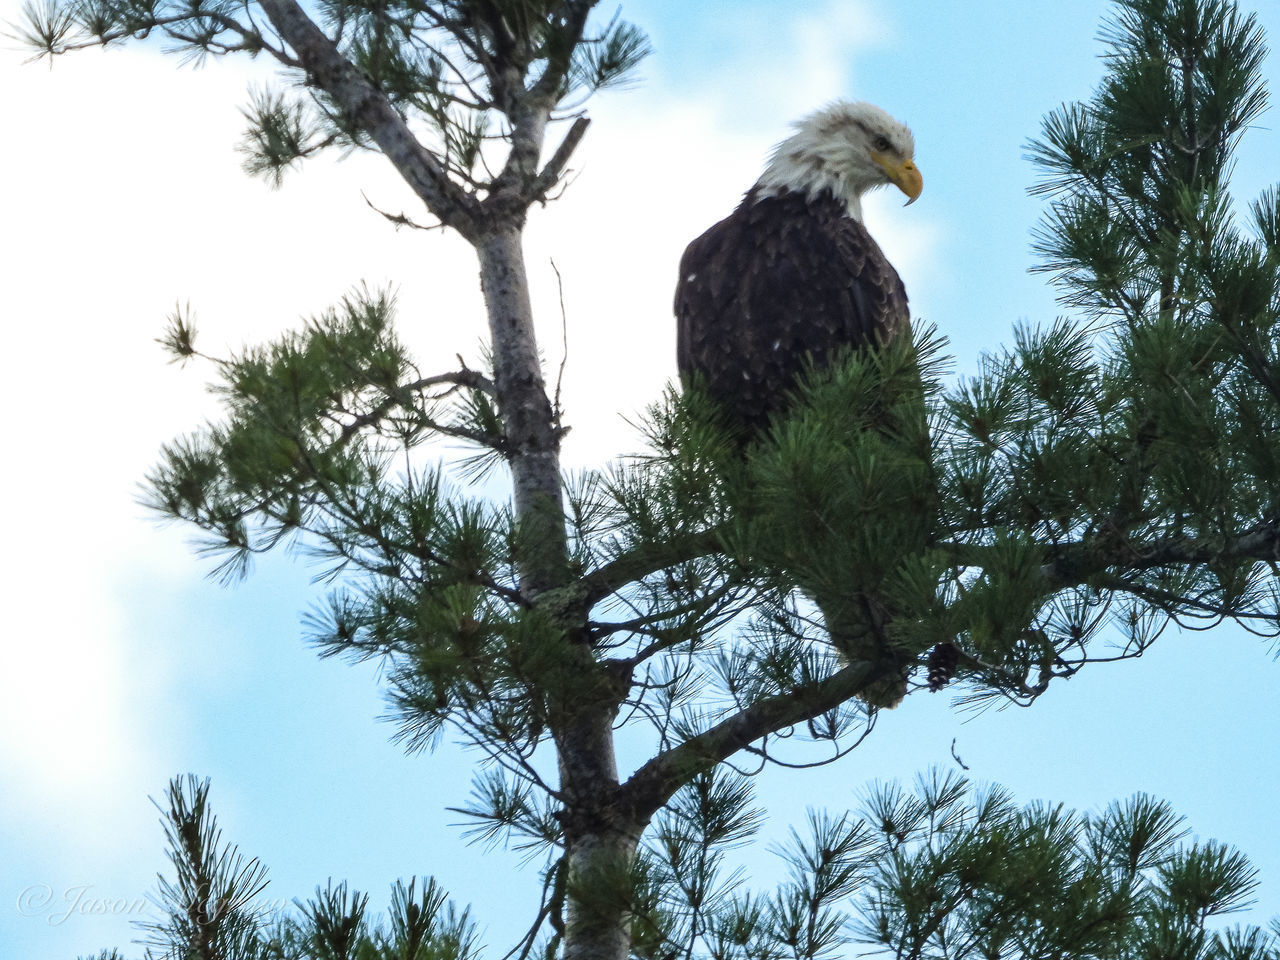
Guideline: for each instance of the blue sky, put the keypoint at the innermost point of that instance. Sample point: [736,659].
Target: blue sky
[124,666]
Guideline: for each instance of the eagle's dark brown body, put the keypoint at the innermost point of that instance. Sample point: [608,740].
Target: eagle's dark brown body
[784,282]
[781,279]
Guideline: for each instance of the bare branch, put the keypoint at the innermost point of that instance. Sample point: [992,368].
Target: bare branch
[657,781]
[839,753]
[554,169]
[556,410]
[401,219]
[515,187]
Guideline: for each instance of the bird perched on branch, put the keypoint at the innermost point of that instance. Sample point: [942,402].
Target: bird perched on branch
[792,273]
[791,278]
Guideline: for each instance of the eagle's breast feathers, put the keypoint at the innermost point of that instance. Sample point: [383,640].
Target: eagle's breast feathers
[784,281]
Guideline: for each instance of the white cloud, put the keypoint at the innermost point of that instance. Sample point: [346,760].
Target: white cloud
[770,69]
[823,50]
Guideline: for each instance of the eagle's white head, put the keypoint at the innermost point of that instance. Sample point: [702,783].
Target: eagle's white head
[847,148]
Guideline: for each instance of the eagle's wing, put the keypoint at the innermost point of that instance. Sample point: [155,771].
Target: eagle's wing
[781,279]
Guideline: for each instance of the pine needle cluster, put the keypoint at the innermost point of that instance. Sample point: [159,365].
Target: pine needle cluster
[945,870]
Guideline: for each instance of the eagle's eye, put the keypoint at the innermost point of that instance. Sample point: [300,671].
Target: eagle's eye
[882,144]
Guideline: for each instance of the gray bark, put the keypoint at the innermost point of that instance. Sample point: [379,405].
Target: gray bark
[601,930]
[600,836]
[533,441]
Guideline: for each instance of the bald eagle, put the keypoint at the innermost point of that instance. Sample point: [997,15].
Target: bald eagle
[787,280]
[792,274]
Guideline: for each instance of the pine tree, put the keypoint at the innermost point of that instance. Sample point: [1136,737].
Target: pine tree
[943,871]
[1114,470]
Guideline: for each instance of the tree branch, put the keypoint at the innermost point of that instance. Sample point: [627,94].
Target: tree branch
[1073,563]
[371,111]
[466,377]
[516,186]
[653,784]
[574,14]
[637,564]
[554,168]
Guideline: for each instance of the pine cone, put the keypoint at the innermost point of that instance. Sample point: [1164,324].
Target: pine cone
[942,665]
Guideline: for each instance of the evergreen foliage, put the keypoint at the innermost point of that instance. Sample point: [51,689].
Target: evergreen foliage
[1114,469]
[943,870]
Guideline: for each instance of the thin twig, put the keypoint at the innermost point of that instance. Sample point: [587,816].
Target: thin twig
[557,410]
[400,219]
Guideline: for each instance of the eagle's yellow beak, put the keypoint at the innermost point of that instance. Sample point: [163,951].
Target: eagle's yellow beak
[905,175]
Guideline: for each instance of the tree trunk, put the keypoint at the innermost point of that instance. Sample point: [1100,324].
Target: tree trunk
[532,438]
[600,841]
[599,928]
[599,846]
